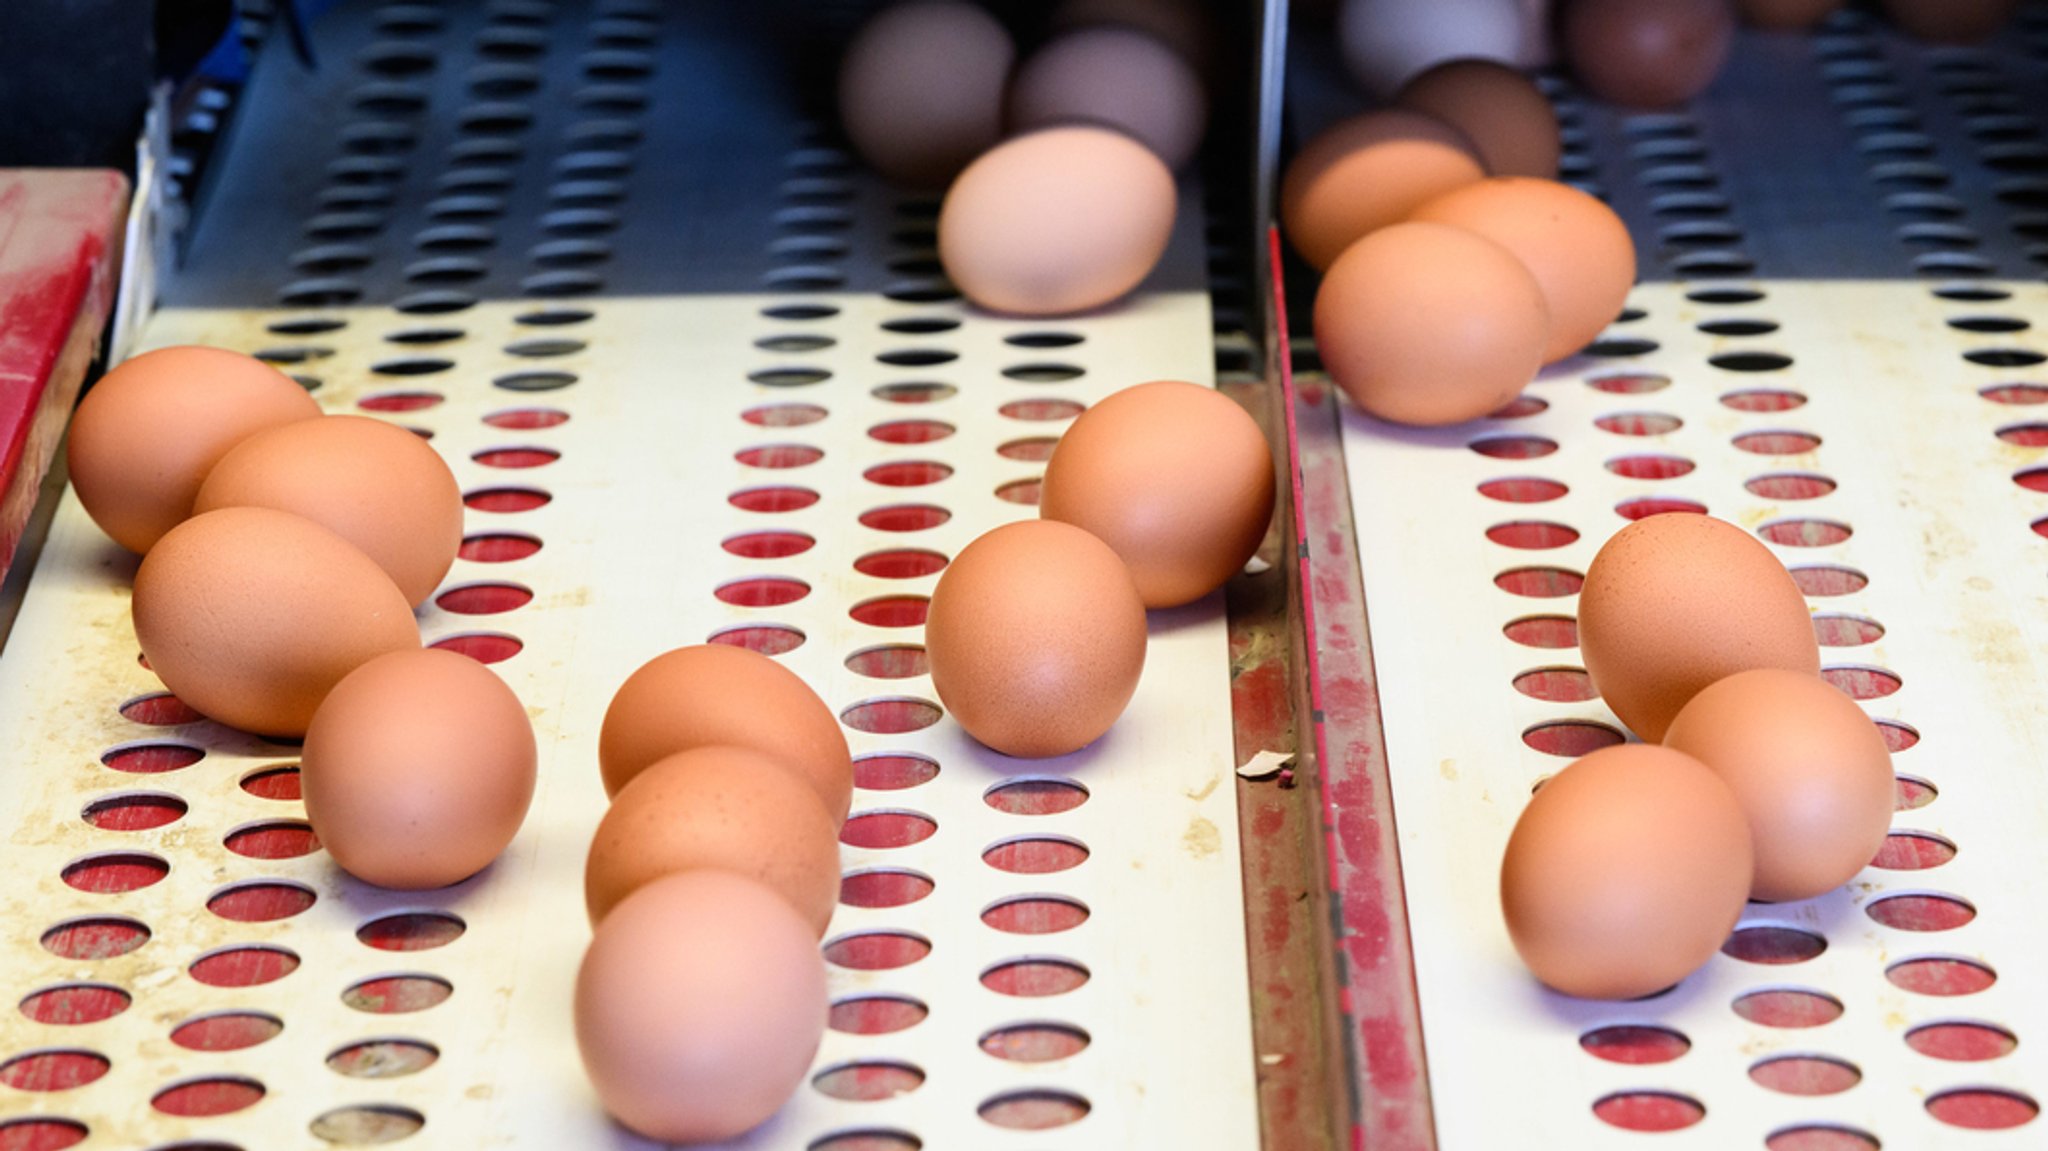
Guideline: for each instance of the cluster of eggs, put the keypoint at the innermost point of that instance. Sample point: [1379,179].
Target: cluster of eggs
[283,554]
[1759,781]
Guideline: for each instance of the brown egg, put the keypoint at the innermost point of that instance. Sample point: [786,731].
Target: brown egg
[1117,78]
[1056,221]
[1181,25]
[1036,637]
[921,89]
[1175,477]
[1646,53]
[1951,21]
[699,1007]
[146,435]
[1366,173]
[1625,872]
[374,484]
[253,615]
[1675,602]
[1785,15]
[1577,248]
[725,808]
[1809,768]
[1428,324]
[418,769]
[1497,108]
[713,694]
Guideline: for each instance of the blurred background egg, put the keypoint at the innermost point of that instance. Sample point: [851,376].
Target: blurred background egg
[1625,873]
[699,1007]
[1388,42]
[374,484]
[1675,602]
[1367,172]
[1500,110]
[1429,324]
[148,432]
[726,808]
[1646,53]
[921,89]
[1056,221]
[1118,78]
[1950,21]
[1182,25]
[252,615]
[1785,15]
[418,769]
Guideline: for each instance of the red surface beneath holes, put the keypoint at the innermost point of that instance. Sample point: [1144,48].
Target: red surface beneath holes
[891,716]
[1557,684]
[1540,583]
[1774,946]
[1777,443]
[398,994]
[762,591]
[44,1071]
[1633,1045]
[1035,915]
[1962,1042]
[41,1134]
[1032,450]
[160,710]
[893,772]
[1571,738]
[1514,447]
[910,431]
[892,611]
[1910,794]
[1862,682]
[1814,1138]
[883,888]
[92,939]
[273,841]
[75,1003]
[1846,630]
[506,501]
[280,783]
[1519,408]
[779,456]
[497,549]
[261,902]
[1983,1109]
[1789,486]
[905,517]
[768,545]
[235,1031]
[517,457]
[1649,1111]
[876,1015]
[1532,535]
[411,931]
[1034,1110]
[383,1059]
[1941,976]
[1523,490]
[114,874]
[1647,506]
[1805,533]
[400,401]
[1763,400]
[152,758]
[1040,410]
[2025,435]
[134,812]
[1921,912]
[482,647]
[1550,632]
[205,1097]
[868,1082]
[1788,1007]
[905,563]
[1806,1075]
[767,639]
[2034,480]
[1650,467]
[1035,1042]
[1035,978]
[1638,423]
[527,419]
[783,415]
[1036,796]
[876,950]
[907,473]
[484,599]
[244,967]
[871,1140]
[1027,493]
[1908,851]
[1631,384]
[2018,394]
[887,829]
[1821,582]
[898,661]
[1036,856]
[1897,736]
[773,501]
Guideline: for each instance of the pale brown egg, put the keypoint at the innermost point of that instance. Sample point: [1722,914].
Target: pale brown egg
[921,89]
[1575,246]
[252,615]
[1386,43]
[1182,25]
[1810,769]
[699,1007]
[1056,221]
[714,694]
[1367,172]
[1036,637]
[1675,602]
[374,484]
[725,808]
[1428,324]
[1175,477]
[145,436]
[1646,53]
[418,769]
[1625,873]
[1786,15]
[1116,78]
[1951,21]
[1504,115]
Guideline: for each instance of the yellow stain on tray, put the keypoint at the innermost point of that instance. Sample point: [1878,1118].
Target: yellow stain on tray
[1201,839]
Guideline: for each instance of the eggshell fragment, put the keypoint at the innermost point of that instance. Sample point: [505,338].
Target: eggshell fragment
[1809,768]
[1175,477]
[1036,637]
[1505,116]
[418,769]
[1647,55]
[726,808]
[148,432]
[1055,221]
[1118,78]
[374,484]
[252,615]
[1429,324]
[1675,602]
[714,694]
[699,1007]
[1367,172]
[921,89]
[1625,873]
